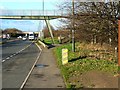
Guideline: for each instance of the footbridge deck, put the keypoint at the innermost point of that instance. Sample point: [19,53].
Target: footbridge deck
[32,14]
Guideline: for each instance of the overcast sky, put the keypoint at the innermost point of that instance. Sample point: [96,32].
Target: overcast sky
[28,25]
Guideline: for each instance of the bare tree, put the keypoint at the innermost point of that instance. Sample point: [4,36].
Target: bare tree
[95,22]
[46,31]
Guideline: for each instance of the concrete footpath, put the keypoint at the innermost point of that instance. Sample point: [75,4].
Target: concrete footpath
[46,73]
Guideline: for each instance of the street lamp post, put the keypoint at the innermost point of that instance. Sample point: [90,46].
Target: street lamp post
[73,31]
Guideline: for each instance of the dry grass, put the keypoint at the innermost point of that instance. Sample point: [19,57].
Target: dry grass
[94,51]
[104,47]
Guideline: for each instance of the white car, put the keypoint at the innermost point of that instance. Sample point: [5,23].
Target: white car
[24,38]
[19,37]
[31,36]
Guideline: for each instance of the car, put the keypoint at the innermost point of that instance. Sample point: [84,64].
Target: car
[31,36]
[24,38]
[19,37]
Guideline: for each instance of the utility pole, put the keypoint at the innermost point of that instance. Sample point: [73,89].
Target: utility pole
[119,40]
[73,31]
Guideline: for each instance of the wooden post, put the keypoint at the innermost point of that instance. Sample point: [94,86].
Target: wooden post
[119,41]
[73,29]
[118,49]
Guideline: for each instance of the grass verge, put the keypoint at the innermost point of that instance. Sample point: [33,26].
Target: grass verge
[79,64]
[49,40]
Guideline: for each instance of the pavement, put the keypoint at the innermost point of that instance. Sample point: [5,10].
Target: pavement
[45,73]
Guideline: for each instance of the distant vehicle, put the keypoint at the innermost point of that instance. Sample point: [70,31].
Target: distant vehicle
[31,36]
[24,38]
[6,36]
[19,37]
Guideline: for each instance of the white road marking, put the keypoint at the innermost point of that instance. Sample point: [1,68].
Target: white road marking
[38,47]
[22,86]
[7,58]
[23,48]
[11,56]
[17,52]
[3,60]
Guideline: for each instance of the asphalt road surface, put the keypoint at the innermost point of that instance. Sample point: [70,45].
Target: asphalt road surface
[12,48]
[17,60]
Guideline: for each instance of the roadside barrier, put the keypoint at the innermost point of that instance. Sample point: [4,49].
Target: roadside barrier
[42,43]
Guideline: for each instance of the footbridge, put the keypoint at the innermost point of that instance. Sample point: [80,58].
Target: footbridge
[33,15]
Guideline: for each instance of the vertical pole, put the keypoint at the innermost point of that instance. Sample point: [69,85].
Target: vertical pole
[43,13]
[43,7]
[73,31]
[119,41]
[39,30]
[118,50]
[50,30]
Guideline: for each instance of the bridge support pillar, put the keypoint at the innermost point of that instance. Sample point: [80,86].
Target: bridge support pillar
[49,28]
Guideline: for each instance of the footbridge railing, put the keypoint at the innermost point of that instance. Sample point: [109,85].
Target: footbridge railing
[32,13]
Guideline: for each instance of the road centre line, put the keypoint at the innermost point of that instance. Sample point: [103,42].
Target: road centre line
[20,51]
[11,56]
[16,53]
[7,58]
[3,60]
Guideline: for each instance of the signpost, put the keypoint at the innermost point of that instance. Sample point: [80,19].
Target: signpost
[64,56]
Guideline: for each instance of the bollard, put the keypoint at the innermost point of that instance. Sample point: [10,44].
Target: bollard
[64,56]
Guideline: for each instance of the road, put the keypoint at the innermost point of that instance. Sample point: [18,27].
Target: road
[12,48]
[18,58]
